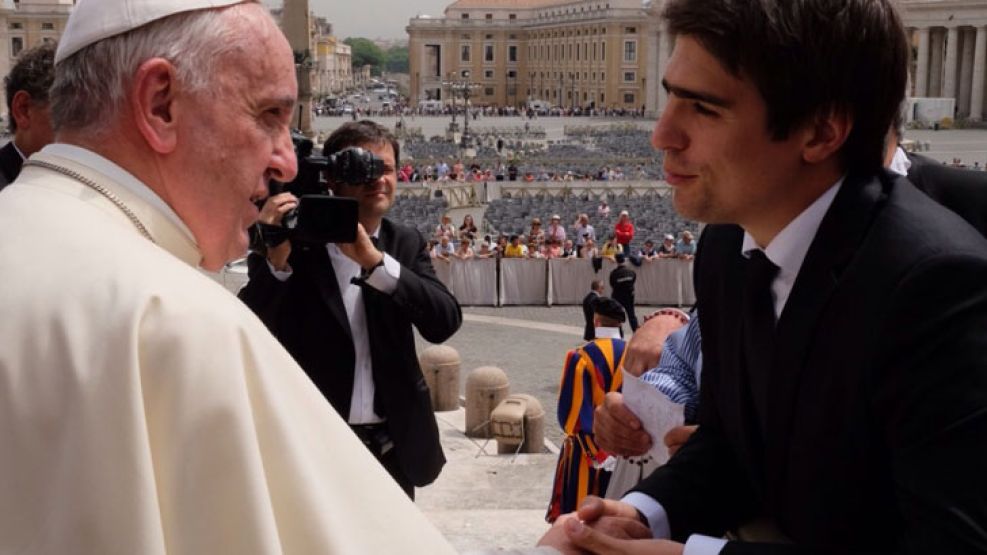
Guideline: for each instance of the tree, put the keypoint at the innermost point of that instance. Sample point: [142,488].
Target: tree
[397,59]
[365,52]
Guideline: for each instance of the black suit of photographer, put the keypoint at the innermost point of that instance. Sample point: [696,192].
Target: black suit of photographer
[307,315]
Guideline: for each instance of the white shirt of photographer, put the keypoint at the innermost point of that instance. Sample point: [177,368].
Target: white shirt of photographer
[384,279]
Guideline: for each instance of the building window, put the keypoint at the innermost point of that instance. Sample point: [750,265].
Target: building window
[594,51]
[630,51]
[512,16]
[628,98]
[464,16]
[16,46]
[488,37]
[603,76]
[488,74]
[629,77]
[488,53]
[489,91]
[465,36]
[47,26]
[16,25]
[630,30]
[603,51]
[512,74]
[512,53]
[465,53]
[489,16]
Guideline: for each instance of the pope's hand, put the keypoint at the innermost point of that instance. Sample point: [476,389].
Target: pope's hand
[592,540]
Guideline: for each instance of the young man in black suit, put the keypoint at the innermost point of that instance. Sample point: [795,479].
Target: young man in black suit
[345,312]
[26,88]
[844,392]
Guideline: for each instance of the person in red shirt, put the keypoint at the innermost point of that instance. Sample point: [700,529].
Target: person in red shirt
[624,231]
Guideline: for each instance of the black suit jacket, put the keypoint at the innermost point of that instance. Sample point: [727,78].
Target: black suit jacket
[877,413]
[307,315]
[961,190]
[589,333]
[10,164]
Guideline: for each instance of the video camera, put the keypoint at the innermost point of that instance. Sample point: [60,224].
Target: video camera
[324,218]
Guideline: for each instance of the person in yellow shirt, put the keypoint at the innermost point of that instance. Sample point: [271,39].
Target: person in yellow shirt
[515,249]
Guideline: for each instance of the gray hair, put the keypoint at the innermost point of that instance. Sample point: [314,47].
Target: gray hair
[92,85]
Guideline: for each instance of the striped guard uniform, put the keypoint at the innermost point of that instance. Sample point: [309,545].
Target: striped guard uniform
[590,373]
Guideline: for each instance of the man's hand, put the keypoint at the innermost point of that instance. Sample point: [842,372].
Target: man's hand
[276,207]
[677,436]
[591,540]
[608,518]
[617,430]
[362,251]
[644,348]
[272,213]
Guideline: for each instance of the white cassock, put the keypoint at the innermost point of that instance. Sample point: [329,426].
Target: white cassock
[144,409]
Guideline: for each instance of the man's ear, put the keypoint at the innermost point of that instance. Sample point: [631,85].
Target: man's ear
[154,104]
[825,135]
[20,109]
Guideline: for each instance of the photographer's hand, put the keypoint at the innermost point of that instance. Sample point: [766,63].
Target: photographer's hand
[362,251]
[273,211]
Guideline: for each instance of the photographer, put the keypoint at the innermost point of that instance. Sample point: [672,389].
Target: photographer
[345,312]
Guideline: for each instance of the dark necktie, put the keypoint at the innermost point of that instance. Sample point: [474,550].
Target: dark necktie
[759,329]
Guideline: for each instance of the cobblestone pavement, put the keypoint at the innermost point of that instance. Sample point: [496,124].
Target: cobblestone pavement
[528,342]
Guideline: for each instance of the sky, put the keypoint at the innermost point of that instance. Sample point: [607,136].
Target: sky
[372,18]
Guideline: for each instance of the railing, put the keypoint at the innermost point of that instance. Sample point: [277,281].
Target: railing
[519,281]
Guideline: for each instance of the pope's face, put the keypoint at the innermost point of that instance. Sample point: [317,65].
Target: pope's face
[234,138]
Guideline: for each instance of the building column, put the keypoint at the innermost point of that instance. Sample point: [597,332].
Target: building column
[937,43]
[979,59]
[952,53]
[922,64]
[966,73]
[652,76]
[665,43]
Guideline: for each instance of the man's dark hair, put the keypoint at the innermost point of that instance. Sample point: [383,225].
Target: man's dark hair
[809,57]
[356,133]
[33,73]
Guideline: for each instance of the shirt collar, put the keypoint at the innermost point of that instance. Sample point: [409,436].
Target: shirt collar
[788,249]
[120,176]
[900,164]
[604,332]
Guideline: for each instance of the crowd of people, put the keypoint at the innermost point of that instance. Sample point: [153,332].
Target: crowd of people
[556,240]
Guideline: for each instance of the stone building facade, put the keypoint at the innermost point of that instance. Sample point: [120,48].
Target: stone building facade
[949,40]
[568,52]
[588,53]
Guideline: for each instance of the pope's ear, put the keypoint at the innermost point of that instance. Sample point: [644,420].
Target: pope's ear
[154,105]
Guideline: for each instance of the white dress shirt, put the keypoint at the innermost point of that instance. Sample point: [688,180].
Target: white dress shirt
[383,279]
[604,332]
[787,251]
